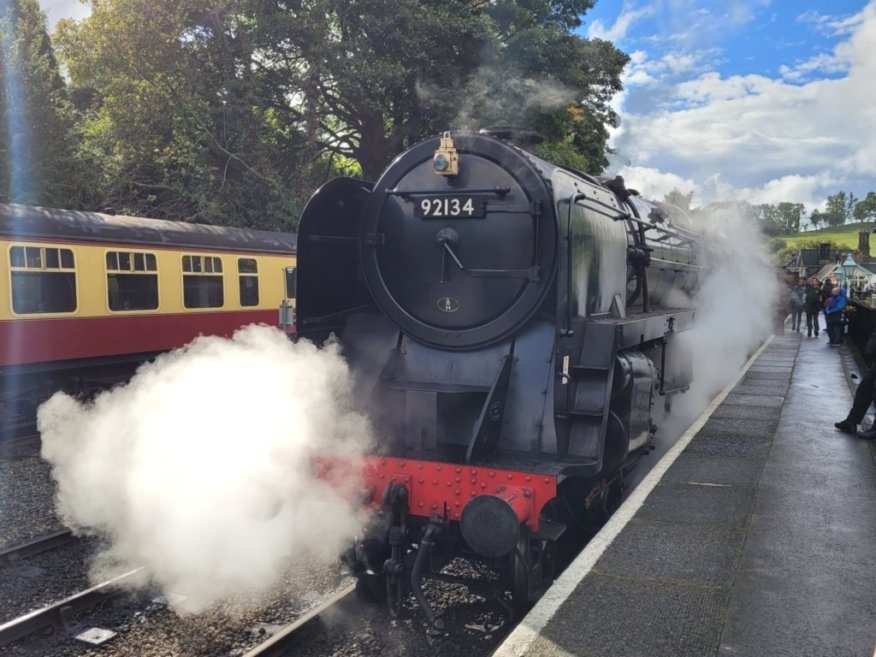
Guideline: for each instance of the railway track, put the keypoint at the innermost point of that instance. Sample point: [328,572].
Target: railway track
[64,613]
[277,645]
[13,555]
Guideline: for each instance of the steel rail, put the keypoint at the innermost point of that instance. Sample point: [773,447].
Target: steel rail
[12,554]
[9,444]
[61,612]
[276,645]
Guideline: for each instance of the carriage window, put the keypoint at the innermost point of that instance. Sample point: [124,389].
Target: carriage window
[202,282]
[43,280]
[291,286]
[131,281]
[248,270]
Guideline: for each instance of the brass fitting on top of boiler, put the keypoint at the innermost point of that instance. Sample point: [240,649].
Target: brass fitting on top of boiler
[445,162]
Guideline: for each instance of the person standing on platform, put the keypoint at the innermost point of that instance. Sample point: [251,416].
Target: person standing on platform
[833,316]
[812,304]
[864,396]
[796,303]
[826,290]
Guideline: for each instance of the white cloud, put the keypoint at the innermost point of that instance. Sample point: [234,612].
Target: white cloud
[802,189]
[832,25]
[615,33]
[655,184]
[751,136]
[821,63]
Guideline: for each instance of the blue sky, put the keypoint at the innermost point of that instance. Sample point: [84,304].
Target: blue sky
[761,37]
[757,100]
[761,100]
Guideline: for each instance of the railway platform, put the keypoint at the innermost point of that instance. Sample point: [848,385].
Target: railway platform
[755,536]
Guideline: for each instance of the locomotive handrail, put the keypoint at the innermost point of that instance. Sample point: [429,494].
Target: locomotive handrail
[531,273]
[331,238]
[573,201]
[337,315]
[501,191]
[616,215]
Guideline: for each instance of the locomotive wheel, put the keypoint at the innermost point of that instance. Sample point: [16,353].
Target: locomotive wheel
[527,578]
[611,499]
[371,588]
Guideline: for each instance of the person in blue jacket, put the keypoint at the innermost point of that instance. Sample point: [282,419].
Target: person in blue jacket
[833,316]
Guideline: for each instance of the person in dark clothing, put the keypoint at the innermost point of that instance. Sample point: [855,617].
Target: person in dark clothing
[795,298]
[827,288]
[833,316]
[812,304]
[864,396]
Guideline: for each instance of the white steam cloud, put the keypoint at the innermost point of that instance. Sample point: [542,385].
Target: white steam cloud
[198,469]
[736,306]
[495,97]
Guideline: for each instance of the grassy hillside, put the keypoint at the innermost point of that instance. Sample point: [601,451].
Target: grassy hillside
[843,236]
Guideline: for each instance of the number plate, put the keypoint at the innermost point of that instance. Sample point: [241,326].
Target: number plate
[449,207]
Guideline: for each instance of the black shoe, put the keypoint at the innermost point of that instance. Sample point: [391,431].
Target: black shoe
[846,426]
[869,434]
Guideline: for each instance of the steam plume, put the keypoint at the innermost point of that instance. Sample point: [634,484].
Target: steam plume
[198,468]
[735,306]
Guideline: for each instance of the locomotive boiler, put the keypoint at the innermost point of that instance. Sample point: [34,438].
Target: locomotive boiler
[511,325]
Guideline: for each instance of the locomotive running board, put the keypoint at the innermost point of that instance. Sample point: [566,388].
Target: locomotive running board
[435,489]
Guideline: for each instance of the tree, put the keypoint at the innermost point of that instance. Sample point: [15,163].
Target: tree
[381,80]
[678,199]
[865,210]
[233,111]
[790,215]
[36,156]
[173,118]
[769,218]
[835,214]
[816,218]
[851,202]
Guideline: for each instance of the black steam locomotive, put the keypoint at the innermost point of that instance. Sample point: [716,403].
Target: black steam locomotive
[511,323]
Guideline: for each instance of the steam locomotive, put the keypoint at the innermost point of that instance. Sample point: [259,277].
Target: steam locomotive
[510,324]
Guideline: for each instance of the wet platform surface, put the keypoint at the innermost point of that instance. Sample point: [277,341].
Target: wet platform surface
[759,540]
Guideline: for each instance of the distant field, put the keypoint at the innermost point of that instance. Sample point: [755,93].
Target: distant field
[844,236]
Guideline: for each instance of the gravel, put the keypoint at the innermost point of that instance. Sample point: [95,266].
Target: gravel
[27,496]
[148,628]
[474,628]
[44,578]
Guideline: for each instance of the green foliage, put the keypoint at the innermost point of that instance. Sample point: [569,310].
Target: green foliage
[865,210]
[234,111]
[837,210]
[36,157]
[845,237]
[776,244]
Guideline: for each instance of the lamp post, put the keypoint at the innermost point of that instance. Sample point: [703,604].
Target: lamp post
[849,265]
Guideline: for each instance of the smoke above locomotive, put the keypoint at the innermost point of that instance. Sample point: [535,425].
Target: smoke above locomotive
[511,324]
